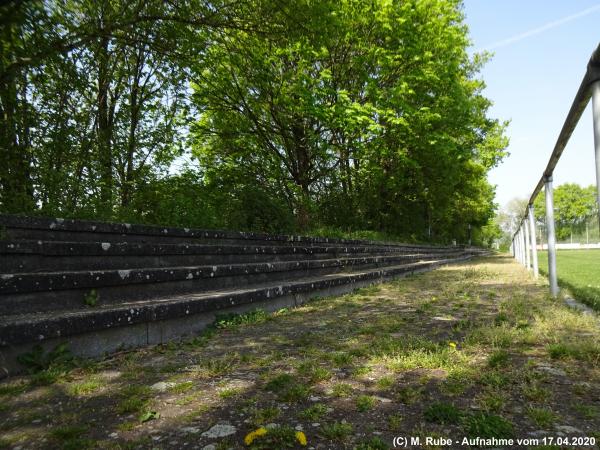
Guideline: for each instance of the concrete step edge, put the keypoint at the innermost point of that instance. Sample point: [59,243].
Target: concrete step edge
[39,327]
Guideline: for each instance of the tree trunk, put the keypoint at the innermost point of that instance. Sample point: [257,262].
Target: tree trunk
[104,131]
[15,173]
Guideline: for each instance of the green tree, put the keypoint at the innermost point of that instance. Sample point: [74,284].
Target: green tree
[573,205]
[93,96]
[371,107]
[350,115]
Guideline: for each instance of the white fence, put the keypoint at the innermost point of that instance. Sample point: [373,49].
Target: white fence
[570,246]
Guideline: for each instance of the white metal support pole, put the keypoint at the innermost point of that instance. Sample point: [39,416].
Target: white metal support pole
[534,255]
[527,244]
[551,237]
[596,115]
[523,249]
[520,245]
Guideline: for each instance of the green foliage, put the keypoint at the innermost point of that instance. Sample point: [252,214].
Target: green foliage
[314,412]
[332,119]
[134,399]
[365,403]
[91,298]
[573,205]
[487,426]
[52,363]
[336,431]
[149,415]
[269,116]
[288,388]
[499,358]
[314,372]
[85,387]
[542,417]
[443,413]
[232,320]
[71,437]
[342,390]
[559,350]
[279,382]
[373,443]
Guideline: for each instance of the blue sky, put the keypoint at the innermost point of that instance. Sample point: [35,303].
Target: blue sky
[541,49]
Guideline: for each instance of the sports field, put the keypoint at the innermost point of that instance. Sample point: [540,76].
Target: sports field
[579,271]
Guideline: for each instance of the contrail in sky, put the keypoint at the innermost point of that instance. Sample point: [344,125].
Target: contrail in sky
[548,26]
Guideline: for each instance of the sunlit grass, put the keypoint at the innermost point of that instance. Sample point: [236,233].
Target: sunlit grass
[577,270]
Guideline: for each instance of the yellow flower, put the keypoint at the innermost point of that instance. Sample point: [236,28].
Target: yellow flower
[254,434]
[452,344]
[249,438]
[301,437]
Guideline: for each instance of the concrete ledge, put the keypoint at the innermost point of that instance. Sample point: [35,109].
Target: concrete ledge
[156,324]
[25,227]
[52,256]
[86,279]
[41,327]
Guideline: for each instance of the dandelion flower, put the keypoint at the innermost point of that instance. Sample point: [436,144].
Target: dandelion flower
[301,437]
[254,434]
[452,344]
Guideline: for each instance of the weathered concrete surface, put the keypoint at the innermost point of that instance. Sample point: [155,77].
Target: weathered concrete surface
[104,286]
[88,336]
[23,227]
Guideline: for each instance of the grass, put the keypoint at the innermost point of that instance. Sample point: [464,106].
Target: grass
[394,422]
[349,372]
[233,320]
[385,383]
[71,437]
[181,387]
[134,399]
[313,372]
[314,412]
[577,271]
[342,390]
[498,359]
[487,426]
[542,417]
[85,387]
[288,388]
[229,392]
[337,431]
[373,443]
[263,416]
[365,403]
[443,413]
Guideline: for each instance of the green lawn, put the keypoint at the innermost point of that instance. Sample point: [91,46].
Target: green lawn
[579,271]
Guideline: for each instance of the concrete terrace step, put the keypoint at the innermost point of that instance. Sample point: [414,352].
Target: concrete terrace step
[38,228]
[101,286]
[44,291]
[25,328]
[33,256]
